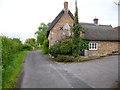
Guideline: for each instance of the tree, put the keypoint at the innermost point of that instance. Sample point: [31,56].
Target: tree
[41,33]
[31,41]
[76,35]
[17,40]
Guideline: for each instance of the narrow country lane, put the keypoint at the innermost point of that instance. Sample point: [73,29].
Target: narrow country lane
[40,72]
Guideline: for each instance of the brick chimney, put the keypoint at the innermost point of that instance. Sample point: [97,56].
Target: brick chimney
[95,21]
[65,5]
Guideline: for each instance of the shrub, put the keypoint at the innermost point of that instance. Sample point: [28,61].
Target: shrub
[66,47]
[55,50]
[32,42]
[11,73]
[64,58]
[9,47]
[63,48]
[84,45]
[9,51]
[46,46]
[26,47]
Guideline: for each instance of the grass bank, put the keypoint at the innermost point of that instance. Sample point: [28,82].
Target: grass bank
[10,74]
[77,60]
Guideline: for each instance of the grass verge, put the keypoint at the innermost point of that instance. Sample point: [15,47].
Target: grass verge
[0,77]
[10,74]
[77,61]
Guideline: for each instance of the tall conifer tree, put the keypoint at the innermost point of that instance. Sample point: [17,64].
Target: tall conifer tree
[76,34]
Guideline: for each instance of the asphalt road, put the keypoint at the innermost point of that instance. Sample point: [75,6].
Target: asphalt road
[101,73]
[40,72]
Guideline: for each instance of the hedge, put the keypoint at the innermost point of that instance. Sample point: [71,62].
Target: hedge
[63,48]
[64,58]
[45,46]
[9,47]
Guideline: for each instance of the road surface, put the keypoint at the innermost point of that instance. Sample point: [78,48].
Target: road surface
[40,72]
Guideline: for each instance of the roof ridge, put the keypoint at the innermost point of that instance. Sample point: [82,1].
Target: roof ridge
[94,24]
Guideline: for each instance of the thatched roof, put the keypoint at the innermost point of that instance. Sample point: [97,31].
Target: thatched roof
[99,32]
[91,31]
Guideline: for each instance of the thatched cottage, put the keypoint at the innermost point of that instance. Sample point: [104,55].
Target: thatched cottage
[103,38]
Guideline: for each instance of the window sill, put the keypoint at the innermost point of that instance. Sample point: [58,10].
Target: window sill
[93,49]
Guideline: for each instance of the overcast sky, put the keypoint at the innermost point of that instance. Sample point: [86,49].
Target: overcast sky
[21,18]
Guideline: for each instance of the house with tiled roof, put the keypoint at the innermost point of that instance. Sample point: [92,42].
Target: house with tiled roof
[103,38]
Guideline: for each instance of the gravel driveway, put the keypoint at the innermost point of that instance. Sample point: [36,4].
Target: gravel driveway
[40,72]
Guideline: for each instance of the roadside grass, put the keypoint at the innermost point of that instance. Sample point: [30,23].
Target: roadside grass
[0,77]
[78,61]
[10,74]
[39,47]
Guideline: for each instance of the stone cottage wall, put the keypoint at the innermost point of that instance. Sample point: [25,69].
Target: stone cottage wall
[104,48]
[55,33]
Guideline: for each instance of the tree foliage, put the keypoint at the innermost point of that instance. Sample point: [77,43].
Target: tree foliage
[46,46]
[9,47]
[17,40]
[63,48]
[27,47]
[76,35]
[31,41]
[41,33]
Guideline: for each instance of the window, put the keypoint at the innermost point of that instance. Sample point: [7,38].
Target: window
[93,46]
[57,41]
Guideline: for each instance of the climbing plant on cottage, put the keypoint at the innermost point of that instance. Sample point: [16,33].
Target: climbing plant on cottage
[77,40]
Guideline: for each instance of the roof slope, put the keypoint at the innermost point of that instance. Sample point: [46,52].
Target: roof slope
[91,31]
[99,32]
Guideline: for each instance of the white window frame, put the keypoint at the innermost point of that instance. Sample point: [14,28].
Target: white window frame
[93,46]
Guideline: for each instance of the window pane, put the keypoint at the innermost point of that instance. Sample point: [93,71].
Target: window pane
[90,45]
[95,46]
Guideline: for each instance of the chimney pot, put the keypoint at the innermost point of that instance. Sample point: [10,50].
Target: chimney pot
[95,21]
[66,5]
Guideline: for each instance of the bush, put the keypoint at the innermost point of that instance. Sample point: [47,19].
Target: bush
[66,47]
[63,48]
[46,46]
[11,59]
[55,50]
[64,58]
[11,73]
[9,47]
[26,47]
